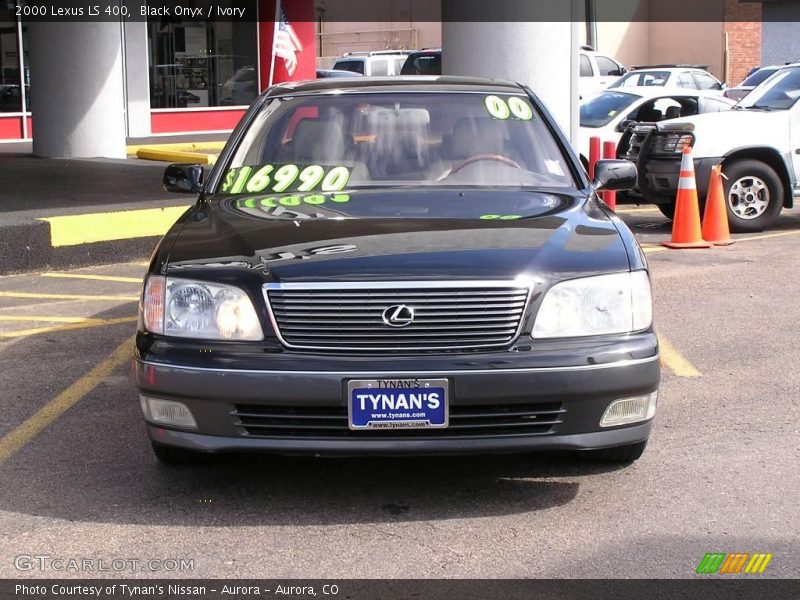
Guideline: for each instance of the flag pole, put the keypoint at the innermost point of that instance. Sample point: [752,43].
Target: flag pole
[274,40]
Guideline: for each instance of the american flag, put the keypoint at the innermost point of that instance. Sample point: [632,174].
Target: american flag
[287,44]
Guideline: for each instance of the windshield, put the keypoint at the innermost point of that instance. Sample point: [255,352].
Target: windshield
[647,78]
[779,92]
[758,77]
[327,143]
[423,64]
[356,66]
[602,109]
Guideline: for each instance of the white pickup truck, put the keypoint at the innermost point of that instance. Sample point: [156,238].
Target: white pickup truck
[757,143]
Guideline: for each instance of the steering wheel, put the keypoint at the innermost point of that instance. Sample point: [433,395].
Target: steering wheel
[473,159]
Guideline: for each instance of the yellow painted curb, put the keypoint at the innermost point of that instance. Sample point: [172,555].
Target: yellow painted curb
[71,230]
[178,147]
[177,156]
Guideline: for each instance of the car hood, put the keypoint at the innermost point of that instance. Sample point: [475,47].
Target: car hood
[718,133]
[397,234]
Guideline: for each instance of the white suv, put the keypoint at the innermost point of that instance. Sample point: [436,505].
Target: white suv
[377,63]
[683,76]
[756,143]
[597,71]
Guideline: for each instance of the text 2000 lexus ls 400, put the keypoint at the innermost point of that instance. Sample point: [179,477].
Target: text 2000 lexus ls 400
[397,266]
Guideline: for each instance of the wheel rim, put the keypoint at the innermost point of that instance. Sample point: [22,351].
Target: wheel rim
[748,197]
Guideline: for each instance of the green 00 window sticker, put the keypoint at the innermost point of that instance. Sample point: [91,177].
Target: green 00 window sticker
[515,107]
[280,178]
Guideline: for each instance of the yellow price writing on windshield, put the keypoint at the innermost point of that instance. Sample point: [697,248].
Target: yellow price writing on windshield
[515,107]
[280,178]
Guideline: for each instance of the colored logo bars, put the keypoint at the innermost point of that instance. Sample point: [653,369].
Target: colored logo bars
[741,562]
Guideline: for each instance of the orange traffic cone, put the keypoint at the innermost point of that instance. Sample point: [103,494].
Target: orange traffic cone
[715,219]
[686,231]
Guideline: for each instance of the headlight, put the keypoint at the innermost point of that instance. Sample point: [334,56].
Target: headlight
[671,144]
[198,309]
[606,304]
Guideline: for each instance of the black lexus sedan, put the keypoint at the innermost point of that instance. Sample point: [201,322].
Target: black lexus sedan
[405,265]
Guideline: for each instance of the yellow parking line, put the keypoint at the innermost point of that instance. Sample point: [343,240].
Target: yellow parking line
[71,230]
[43,417]
[635,209]
[20,318]
[56,328]
[94,277]
[675,360]
[766,236]
[648,249]
[66,296]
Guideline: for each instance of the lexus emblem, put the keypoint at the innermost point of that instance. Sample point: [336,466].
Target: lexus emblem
[398,315]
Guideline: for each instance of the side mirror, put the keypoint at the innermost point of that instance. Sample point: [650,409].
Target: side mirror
[723,86]
[183,179]
[624,124]
[614,174]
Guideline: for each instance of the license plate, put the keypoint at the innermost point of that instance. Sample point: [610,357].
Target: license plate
[397,403]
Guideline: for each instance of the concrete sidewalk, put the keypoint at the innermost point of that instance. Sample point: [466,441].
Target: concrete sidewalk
[65,212]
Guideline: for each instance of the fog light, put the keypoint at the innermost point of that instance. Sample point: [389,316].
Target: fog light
[630,410]
[167,412]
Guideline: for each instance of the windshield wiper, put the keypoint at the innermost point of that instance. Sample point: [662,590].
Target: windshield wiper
[761,107]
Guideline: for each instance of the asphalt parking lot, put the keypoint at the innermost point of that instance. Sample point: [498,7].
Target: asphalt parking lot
[720,474]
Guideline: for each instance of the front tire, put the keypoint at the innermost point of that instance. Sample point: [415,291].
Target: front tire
[753,195]
[174,456]
[617,454]
[667,209]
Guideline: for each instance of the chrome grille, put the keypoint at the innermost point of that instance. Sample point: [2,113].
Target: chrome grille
[350,316]
[331,422]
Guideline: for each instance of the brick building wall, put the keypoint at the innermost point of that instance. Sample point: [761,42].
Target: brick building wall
[743,31]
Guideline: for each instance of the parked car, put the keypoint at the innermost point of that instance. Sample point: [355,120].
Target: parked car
[406,265]
[755,143]
[423,62]
[330,73]
[372,64]
[676,76]
[608,114]
[597,71]
[752,80]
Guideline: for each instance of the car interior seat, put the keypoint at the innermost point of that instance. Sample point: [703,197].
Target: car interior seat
[649,114]
[399,150]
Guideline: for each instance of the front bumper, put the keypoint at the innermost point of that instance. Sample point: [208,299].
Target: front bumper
[658,178]
[569,386]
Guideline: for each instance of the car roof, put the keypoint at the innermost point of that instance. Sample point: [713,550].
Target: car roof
[401,83]
[650,91]
[636,71]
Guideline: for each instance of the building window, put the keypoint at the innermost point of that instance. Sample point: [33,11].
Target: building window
[11,85]
[196,64]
